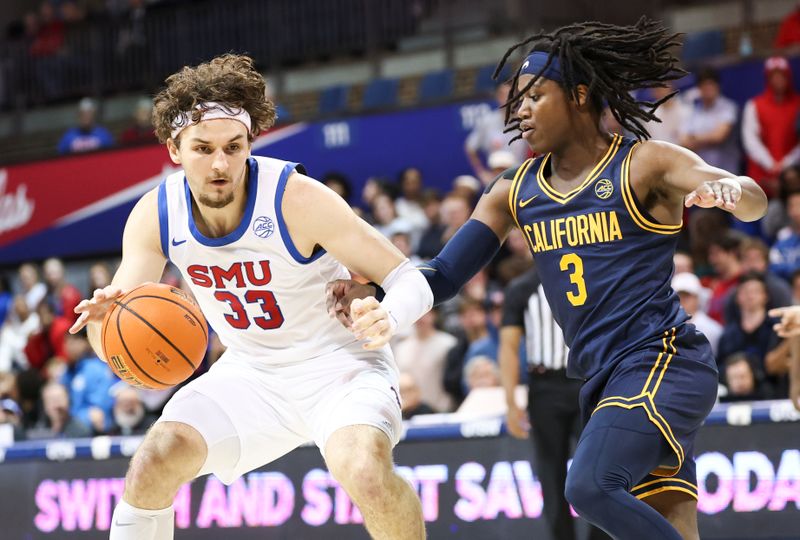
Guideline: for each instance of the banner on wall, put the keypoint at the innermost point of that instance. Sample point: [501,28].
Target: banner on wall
[470,488]
[76,206]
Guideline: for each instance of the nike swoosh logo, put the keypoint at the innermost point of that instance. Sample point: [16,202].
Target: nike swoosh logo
[174,243]
[522,204]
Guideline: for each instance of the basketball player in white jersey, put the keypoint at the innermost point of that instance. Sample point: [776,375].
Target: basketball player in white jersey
[257,241]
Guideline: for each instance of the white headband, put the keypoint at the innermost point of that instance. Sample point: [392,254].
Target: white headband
[210,110]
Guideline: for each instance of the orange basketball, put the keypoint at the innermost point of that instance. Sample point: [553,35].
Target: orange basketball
[155,336]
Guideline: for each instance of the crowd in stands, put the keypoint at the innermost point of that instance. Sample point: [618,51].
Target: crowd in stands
[728,274]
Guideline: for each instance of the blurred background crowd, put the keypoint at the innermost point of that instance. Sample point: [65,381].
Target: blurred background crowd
[728,274]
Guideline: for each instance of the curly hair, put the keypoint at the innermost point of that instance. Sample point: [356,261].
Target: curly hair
[230,79]
[615,59]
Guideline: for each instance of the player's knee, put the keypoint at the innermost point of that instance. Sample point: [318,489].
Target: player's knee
[170,455]
[361,465]
[582,491]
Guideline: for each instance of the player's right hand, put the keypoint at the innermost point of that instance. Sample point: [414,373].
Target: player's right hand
[94,309]
[789,325]
[517,422]
[340,293]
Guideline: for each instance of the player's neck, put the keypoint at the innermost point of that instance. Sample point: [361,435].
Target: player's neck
[578,154]
[219,222]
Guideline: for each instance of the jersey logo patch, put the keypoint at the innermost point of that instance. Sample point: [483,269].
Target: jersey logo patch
[604,188]
[263,227]
[523,204]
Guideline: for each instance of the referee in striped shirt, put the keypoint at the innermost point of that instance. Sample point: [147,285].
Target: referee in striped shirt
[552,398]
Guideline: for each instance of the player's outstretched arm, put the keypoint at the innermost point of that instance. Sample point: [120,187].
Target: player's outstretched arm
[142,261]
[684,173]
[470,249]
[316,216]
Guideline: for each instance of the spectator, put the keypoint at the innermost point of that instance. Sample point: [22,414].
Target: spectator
[61,295]
[488,136]
[141,131]
[372,188]
[740,379]
[338,183]
[58,421]
[796,287]
[27,393]
[401,238]
[776,223]
[99,277]
[673,114]
[409,204]
[466,186]
[11,416]
[89,381]
[130,415]
[33,289]
[768,127]
[752,333]
[49,39]
[87,136]
[789,31]
[481,372]
[453,213]
[683,262]
[48,340]
[785,254]
[709,128]
[14,335]
[692,294]
[723,254]
[754,256]
[500,161]
[411,397]
[385,215]
[472,314]
[423,356]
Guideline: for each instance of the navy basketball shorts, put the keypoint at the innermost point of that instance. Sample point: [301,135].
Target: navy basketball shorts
[673,381]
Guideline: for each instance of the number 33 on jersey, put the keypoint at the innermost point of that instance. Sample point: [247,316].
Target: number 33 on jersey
[256,290]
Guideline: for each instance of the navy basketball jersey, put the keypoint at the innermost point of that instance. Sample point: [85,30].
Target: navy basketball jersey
[605,263]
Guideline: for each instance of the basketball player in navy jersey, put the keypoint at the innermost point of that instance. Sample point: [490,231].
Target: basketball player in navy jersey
[601,214]
[257,241]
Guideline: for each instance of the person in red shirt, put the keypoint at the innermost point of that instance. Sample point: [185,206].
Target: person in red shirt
[769,126]
[723,254]
[789,31]
[141,131]
[62,296]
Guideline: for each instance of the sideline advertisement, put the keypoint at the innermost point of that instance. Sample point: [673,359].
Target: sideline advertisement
[471,488]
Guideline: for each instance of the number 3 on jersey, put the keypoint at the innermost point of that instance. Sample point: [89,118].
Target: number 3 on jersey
[240,320]
[575,277]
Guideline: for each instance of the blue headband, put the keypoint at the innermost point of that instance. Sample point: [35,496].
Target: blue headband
[535,62]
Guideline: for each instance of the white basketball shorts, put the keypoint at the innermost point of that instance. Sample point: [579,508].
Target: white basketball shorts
[252,413]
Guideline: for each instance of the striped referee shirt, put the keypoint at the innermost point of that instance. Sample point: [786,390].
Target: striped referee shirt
[525,305]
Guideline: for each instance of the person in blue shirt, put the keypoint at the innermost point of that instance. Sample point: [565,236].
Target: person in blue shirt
[87,135]
[784,257]
[89,381]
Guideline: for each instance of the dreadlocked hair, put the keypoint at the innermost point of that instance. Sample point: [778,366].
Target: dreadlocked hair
[614,59]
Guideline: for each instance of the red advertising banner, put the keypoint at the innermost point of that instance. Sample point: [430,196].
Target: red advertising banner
[35,196]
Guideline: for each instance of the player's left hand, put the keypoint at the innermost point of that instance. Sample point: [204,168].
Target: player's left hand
[789,325]
[371,322]
[723,193]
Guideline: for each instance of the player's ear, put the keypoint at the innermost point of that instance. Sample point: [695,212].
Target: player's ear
[174,152]
[581,96]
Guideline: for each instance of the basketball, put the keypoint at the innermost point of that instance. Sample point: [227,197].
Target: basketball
[154,336]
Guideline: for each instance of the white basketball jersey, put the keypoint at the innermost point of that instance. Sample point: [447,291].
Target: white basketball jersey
[264,299]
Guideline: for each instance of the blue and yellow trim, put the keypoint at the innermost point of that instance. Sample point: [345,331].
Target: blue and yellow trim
[630,203]
[564,198]
[646,400]
[653,487]
[516,183]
